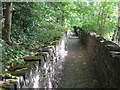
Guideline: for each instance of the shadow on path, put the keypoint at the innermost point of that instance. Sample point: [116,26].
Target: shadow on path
[77,71]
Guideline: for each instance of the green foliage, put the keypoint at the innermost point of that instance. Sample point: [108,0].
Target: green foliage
[91,16]
[42,23]
[11,56]
[49,32]
[33,24]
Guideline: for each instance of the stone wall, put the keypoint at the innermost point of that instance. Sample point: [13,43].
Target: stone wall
[42,71]
[105,56]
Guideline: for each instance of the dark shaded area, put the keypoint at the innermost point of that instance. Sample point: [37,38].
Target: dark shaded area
[105,55]
[91,62]
[76,30]
[78,70]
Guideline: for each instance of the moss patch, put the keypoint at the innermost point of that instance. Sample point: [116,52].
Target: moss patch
[40,54]
[32,58]
[6,85]
[22,69]
[55,42]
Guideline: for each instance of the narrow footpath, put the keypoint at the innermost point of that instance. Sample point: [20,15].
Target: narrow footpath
[77,71]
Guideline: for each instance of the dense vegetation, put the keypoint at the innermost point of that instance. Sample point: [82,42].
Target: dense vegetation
[38,24]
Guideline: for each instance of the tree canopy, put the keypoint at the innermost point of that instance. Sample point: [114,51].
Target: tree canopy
[36,24]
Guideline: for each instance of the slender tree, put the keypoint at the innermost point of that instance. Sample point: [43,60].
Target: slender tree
[119,22]
[8,22]
[1,17]
[1,12]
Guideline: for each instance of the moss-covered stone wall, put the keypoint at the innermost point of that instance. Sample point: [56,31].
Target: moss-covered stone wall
[39,70]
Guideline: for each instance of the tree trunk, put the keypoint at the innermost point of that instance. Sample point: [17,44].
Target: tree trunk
[1,12]
[115,35]
[1,18]
[118,16]
[63,18]
[102,20]
[8,22]
[119,22]
[118,26]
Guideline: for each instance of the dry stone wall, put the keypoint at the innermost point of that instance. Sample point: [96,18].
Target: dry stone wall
[41,74]
[105,56]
